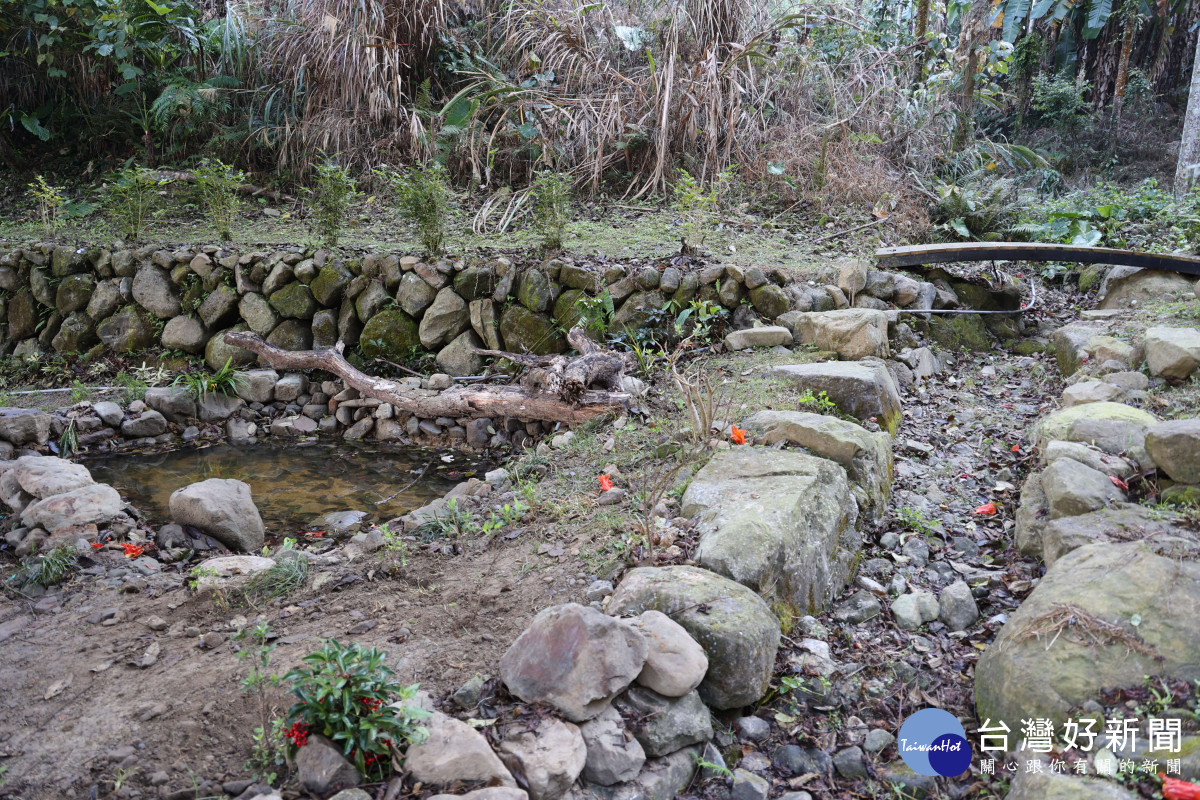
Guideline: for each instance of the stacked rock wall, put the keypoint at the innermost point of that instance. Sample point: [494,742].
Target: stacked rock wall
[73,299]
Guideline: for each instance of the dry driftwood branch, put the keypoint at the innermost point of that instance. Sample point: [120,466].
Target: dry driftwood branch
[566,376]
[466,401]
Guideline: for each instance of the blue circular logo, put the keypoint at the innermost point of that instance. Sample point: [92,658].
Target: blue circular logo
[933,742]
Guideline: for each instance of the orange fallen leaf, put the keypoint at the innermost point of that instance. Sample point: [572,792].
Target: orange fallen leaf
[1120,484]
[737,435]
[606,483]
[986,510]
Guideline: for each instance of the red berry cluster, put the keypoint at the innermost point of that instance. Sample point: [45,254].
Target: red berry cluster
[371,703]
[297,734]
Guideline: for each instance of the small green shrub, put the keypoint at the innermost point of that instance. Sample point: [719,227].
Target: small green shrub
[332,195]
[225,380]
[217,185]
[1059,102]
[424,195]
[133,201]
[695,207]
[267,754]
[979,209]
[285,577]
[551,193]
[51,203]
[47,569]
[596,313]
[347,694]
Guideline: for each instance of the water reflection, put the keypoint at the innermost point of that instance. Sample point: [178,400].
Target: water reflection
[292,484]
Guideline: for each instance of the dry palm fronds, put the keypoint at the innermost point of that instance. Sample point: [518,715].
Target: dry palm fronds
[343,75]
[1085,629]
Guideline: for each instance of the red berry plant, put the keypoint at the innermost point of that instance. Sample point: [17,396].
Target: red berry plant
[347,694]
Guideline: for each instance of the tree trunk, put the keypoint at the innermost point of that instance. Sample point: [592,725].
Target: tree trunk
[467,401]
[972,32]
[1130,20]
[922,28]
[1187,173]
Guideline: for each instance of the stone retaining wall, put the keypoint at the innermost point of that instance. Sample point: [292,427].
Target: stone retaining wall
[76,299]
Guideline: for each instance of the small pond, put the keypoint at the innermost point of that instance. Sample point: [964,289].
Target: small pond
[294,483]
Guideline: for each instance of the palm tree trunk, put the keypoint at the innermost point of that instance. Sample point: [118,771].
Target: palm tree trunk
[1187,173]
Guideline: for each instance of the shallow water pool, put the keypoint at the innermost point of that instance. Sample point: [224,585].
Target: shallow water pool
[293,484]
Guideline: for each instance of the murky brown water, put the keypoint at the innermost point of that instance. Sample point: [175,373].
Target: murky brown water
[293,484]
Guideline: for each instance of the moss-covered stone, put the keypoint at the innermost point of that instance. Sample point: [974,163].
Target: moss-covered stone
[1091,276]
[638,311]
[292,334]
[1040,666]
[689,286]
[474,282]
[76,335]
[22,315]
[294,301]
[566,314]
[1182,494]
[217,352]
[1058,425]
[960,331]
[74,292]
[533,290]
[390,334]
[1029,347]
[524,331]
[324,328]
[734,625]
[769,300]
[66,261]
[329,285]
[126,331]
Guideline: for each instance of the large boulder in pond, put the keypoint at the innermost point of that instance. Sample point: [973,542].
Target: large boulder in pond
[390,334]
[1105,616]
[46,476]
[779,521]
[734,625]
[574,659]
[223,509]
[95,503]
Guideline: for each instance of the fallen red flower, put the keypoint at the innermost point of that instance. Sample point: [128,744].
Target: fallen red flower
[97,545]
[1016,448]
[133,550]
[1176,789]
[986,510]
[737,435]
[1120,484]
[606,483]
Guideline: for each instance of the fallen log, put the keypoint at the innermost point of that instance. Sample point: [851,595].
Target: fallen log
[518,402]
[568,377]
